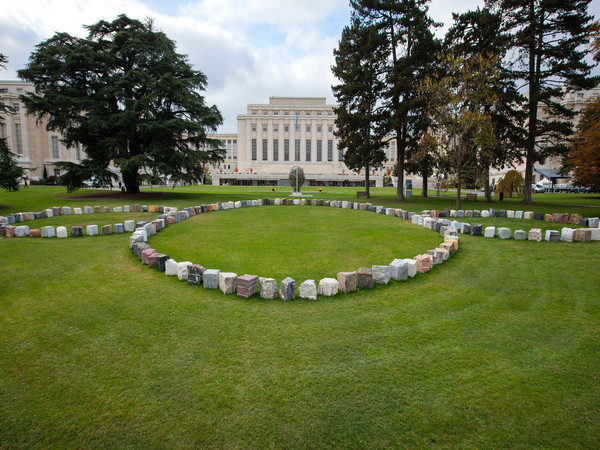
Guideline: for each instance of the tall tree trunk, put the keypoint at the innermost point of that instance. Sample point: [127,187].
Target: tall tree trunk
[458,194]
[486,185]
[131,180]
[367,182]
[424,188]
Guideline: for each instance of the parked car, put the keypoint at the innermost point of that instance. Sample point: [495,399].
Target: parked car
[536,188]
[582,189]
[562,188]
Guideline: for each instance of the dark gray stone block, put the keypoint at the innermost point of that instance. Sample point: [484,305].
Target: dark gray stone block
[76,231]
[476,230]
[538,216]
[364,278]
[195,274]
[502,213]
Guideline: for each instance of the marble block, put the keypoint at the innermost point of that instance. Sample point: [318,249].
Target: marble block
[66,210]
[245,286]
[138,248]
[535,234]
[445,253]
[465,228]
[594,222]
[136,208]
[126,208]
[528,215]
[171,220]
[77,211]
[502,213]
[106,229]
[161,261]
[308,290]
[146,255]
[135,237]
[346,281]
[22,231]
[119,229]
[424,263]
[48,232]
[129,225]
[520,235]
[450,232]
[552,217]
[381,274]
[566,234]
[35,232]
[150,231]
[9,231]
[436,256]
[171,268]
[582,234]
[142,231]
[195,273]
[574,219]
[56,210]
[39,215]
[76,231]
[328,287]
[453,213]
[399,270]
[411,266]
[61,232]
[538,216]
[91,230]
[489,232]
[510,214]
[118,209]
[210,278]
[420,220]
[504,233]
[455,224]
[460,213]
[476,213]
[493,212]
[287,289]
[485,213]
[97,209]
[268,288]
[476,230]
[595,234]
[552,236]
[182,270]
[364,277]
[518,214]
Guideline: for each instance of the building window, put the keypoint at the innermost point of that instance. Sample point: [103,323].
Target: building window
[330,114]
[264,150]
[318,114]
[16,107]
[330,150]
[275,149]
[330,129]
[287,129]
[275,130]
[308,150]
[297,150]
[253,149]
[78,152]
[286,149]
[3,130]
[235,149]
[253,113]
[286,113]
[319,149]
[254,129]
[264,129]
[54,147]
[308,114]
[229,149]
[276,113]
[319,129]
[308,129]
[18,139]
[340,154]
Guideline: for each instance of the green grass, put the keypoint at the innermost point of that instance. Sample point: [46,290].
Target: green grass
[499,347]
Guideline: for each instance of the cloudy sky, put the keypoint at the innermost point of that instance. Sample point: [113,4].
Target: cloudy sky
[249,49]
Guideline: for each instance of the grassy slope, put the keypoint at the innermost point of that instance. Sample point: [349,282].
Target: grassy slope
[498,347]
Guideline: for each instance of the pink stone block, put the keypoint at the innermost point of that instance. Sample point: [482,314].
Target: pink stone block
[146,255]
[10,231]
[35,233]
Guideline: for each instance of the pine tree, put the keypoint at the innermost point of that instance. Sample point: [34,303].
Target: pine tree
[548,39]
[358,66]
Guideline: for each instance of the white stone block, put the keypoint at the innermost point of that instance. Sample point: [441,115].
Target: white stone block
[566,234]
[328,287]
[510,214]
[485,213]
[66,210]
[142,231]
[129,225]
[227,282]
[91,230]
[126,208]
[381,274]
[412,267]
[118,209]
[308,290]
[595,234]
[453,213]
[489,232]
[182,270]
[49,213]
[171,268]
[48,232]
[77,211]
[61,232]
[399,270]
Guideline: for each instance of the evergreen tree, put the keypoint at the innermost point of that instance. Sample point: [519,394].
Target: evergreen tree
[548,39]
[358,65]
[480,32]
[409,49]
[126,95]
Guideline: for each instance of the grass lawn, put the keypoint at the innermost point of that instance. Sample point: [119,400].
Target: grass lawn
[499,347]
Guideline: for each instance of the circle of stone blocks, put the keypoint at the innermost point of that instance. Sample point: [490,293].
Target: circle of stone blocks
[210,279]
[48,232]
[268,288]
[504,233]
[328,287]
[91,230]
[308,290]
[287,289]
[346,281]
[520,235]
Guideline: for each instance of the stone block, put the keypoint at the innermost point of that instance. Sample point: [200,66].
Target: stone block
[476,230]
[182,270]
[453,213]
[528,215]
[502,213]
[465,228]
[364,277]
[149,227]
[106,229]
[520,235]
[268,288]
[566,235]
[582,234]
[593,222]
[552,236]
[518,214]
[77,211]
[308,290]
[56,211]
[61,232]
[118,209]
[287,289]
[436,255]
[9,231]
[126,208]
[485,213]
[119,228]
[49,212]
[476,213]
[171,267]
[39,215]
[35,232]
[504,233]
[574,219]
[91,230]
[328,287]
[106,209]
[489,232]
[161,261]
[66,210]
[552,217]
[48,232]
[22,231]
[399,270]
[129,225]
[136,208]
[469,213]
[510,214]
[535,234]
[76,231]
[171,220]
[210,278]
[595,234]
[146,255]
[195,273]
[445,253]
[424,263]
[245,286]
[346,281]
[538,216]
[381,274]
